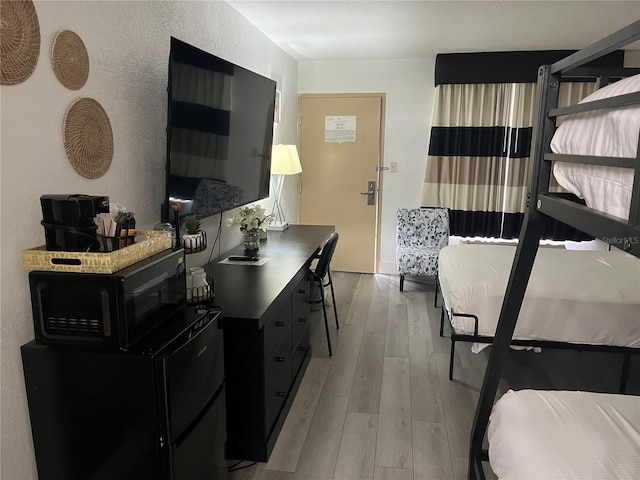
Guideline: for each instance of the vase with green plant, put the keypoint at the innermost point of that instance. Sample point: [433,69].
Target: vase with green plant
[192,238]
[251,220]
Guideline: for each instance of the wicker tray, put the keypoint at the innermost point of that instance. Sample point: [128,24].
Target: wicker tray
[89,262]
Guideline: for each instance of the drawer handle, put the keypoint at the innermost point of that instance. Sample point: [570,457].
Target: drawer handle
[302,291]
[281,359]
[302,320]
[280,324]
[281,394]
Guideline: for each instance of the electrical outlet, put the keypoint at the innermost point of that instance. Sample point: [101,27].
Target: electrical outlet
[393,167]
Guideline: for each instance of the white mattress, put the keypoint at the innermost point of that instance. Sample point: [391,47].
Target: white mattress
[565,435]
[611,133]
[573,296]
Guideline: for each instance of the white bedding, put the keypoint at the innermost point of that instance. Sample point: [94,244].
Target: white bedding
[565,435]
[612,132]
[573,296]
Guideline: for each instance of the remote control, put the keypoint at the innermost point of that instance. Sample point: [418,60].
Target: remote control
[244,259]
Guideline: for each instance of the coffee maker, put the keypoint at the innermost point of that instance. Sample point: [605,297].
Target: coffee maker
[68,221]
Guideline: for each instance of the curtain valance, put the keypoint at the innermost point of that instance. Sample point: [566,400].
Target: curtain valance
[505,67]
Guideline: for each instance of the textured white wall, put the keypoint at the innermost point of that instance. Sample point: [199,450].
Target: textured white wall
[408,85]
[128,46]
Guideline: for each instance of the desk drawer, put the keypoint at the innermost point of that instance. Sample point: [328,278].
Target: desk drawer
[277,381]
[275,328]
[277,369]
[300,322]
[300,294]
[300,351]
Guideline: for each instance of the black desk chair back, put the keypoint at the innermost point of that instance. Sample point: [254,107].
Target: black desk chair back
[322,276]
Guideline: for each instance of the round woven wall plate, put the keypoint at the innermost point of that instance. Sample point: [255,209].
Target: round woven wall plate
[88,139]
[70,60]
[19,41]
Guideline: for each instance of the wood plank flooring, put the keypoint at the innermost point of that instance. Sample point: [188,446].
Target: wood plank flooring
[382,407]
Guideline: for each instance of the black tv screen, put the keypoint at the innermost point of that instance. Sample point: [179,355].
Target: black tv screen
[219,133]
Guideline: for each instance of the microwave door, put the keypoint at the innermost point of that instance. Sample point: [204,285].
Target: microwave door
[147,286]
[146,298]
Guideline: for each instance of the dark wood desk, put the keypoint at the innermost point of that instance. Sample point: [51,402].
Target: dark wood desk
[266,335]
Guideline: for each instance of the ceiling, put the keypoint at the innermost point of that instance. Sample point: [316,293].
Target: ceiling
[368,29]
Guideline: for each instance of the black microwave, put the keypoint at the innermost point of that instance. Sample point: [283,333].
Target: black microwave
[107,311]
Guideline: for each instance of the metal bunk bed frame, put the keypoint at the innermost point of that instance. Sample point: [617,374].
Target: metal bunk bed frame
[587,347]
[543,205]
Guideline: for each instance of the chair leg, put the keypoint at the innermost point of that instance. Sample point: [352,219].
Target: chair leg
[401,282]
[333,297]
[324,312]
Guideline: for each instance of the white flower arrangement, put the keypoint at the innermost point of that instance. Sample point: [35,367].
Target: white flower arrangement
[251,218]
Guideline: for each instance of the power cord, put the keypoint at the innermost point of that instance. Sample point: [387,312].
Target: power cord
[216,240]
[235,467]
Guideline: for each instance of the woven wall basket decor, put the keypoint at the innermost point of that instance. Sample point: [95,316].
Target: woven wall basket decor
[19,41]
[88,139]
[70,60]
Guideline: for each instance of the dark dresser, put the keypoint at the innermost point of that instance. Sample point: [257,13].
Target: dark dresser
[266,335]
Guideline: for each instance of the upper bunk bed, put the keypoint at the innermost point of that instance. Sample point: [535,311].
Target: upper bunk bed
[620,227]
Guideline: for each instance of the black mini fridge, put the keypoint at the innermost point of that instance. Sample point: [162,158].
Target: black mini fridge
[154,412]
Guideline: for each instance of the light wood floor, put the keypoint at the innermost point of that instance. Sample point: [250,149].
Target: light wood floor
[383,408]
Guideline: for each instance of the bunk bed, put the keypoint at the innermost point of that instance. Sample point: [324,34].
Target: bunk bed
[623,233]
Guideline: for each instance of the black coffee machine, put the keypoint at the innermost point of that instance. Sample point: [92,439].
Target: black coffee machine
[68,221]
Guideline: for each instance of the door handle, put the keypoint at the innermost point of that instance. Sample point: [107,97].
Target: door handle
[371,192]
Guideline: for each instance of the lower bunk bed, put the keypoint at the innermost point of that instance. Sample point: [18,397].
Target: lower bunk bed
[579,300]
[532,433]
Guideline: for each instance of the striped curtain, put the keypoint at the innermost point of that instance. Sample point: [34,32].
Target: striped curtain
[479,164]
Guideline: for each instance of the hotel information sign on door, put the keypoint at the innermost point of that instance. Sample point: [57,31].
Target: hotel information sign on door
[338,129]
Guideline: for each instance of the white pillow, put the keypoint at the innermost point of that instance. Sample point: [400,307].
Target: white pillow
[611,132]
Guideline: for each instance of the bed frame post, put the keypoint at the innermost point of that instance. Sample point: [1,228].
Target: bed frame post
[518,280]
[532,231]
[451,356]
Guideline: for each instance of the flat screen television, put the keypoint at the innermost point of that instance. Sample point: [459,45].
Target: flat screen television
[219,133]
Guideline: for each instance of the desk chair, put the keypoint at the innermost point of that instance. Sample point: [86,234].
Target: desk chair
[319,274]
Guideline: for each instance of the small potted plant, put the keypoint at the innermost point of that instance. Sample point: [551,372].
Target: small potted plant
[192,238]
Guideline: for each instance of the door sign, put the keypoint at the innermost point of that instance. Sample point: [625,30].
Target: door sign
[338,129]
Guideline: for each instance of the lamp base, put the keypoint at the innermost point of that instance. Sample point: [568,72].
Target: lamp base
[278,227]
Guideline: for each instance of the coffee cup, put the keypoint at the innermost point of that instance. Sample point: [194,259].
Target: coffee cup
[199,280]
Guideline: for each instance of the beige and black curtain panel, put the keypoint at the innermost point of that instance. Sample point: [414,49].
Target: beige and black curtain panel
[479,163]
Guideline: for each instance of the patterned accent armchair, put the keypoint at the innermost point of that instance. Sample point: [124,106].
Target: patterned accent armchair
[420,234]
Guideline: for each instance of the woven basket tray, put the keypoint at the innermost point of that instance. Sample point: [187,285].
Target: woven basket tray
[89,262]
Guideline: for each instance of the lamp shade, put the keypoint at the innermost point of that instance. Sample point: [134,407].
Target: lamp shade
[285,160]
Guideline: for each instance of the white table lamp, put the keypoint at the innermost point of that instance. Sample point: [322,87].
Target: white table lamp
[284,161]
